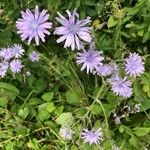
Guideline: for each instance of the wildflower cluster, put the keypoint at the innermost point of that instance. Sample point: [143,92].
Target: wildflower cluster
[89,136]
[75,33]
[35,25]
[11,59]
[91,60]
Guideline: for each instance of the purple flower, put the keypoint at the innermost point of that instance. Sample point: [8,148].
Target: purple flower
[92,137]
[121,86]
[90,60]
[134,66]
[66,133]
[33,25]
[17,51]
[73,30]
[4,65]
[6,53]
[3,68]
[2,72]
[16,66]
[34,56]
[104,70]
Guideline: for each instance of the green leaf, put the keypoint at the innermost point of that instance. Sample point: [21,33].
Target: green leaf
[43,115]
[9,145]
[73,97]
[146,88]
[112,98]
[3,102]
[23,113]
[39,85]
[34,101]
[145,104]
[48,96]
[133,141]
[21,130]
[111,22]
[33,144]
[108,109]
[50,107]
[121,129]
[96,109]
[59,110]
[9,87]
[141,131]
[65,119]
[80,112]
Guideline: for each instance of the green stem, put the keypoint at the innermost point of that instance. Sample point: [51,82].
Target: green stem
[103,109]
[27,98]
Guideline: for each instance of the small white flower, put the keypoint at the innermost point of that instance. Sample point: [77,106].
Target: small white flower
[66,133]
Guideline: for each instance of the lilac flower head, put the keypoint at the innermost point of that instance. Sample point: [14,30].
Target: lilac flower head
[2,72]
[4,65]
[92,137]
[3,68]
[73,30]
[34,57]
[90,60]
[121,87]
[66,133]
[6,53]
[33,25]
[17,51]
[16,66]
[104,70]
[134,66]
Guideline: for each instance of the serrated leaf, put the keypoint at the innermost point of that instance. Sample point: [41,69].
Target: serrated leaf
[48,96]
[65,119]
